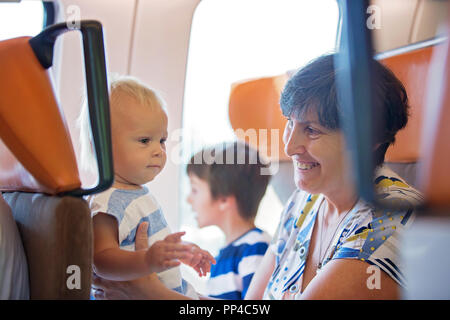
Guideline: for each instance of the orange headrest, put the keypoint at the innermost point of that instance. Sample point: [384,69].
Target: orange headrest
[36,152]
[254,105]
[434,176]
[412,69]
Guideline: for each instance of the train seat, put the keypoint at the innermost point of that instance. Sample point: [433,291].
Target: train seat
[39,176]
[56,233]
[427,268]
[254,105]
[36,156]
[411,64]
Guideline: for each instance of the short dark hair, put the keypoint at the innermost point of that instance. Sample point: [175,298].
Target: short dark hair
[314,86]
[238,175]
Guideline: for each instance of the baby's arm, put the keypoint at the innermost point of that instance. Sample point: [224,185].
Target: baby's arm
[200,260]
[113,263]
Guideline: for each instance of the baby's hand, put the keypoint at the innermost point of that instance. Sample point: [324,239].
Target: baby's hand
[167,253]
[200,261]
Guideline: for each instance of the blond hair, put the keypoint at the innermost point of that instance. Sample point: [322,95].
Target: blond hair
[117,84]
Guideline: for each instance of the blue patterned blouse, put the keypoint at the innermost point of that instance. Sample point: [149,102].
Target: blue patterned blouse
[366,234]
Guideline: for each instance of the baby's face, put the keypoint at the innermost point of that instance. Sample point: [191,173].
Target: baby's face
[139,133]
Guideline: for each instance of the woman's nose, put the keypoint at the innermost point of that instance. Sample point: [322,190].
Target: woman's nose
[294,142]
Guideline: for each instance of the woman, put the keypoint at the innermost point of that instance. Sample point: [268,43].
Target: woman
[329,244]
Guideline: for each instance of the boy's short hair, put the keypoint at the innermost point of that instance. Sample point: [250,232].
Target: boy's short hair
[232,170]
[117,84]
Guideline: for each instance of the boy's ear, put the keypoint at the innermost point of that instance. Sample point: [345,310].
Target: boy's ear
[226,202]
[223,203]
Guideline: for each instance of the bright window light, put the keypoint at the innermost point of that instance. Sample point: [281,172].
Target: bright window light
[234,40]
[25,18]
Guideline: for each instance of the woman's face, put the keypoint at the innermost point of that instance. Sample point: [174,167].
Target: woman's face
[318,154]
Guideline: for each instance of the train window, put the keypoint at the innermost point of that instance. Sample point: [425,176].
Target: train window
[25,18]
[234,40]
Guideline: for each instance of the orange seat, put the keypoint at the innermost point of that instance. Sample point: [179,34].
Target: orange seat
[254,105]
[435,170]
[29,120]
[412,69]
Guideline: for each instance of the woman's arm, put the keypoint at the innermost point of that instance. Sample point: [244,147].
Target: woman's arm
[261,277]
[347,279]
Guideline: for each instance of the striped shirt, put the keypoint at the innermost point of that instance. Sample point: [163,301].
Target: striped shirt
[236,264]
[130,208]
[366,234]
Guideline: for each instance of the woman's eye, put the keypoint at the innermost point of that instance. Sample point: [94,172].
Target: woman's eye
[312,132]
[144,140]
[163,141]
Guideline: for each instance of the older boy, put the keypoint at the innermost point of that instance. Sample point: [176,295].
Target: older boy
[227,194]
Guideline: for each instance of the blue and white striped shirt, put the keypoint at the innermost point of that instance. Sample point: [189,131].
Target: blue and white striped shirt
[130,208]
[236,264]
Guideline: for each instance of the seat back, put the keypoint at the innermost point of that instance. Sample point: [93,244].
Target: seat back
[33,166]
[411,64]
[38,156]
[435,169]
[255,116]
[431,230]
[254,105]
[56,233]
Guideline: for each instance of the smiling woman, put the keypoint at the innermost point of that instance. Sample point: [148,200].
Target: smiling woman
[333,230]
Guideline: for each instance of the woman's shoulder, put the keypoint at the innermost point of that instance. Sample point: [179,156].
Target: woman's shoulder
[392,190]
[371,233]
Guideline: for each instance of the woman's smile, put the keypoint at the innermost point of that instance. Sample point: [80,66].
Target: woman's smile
[304,166]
